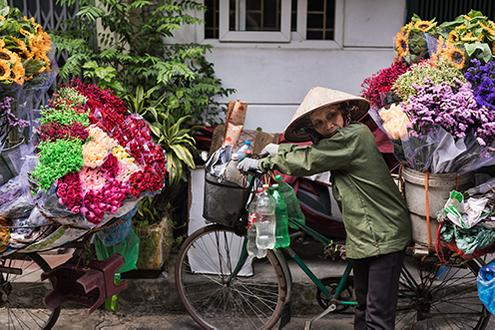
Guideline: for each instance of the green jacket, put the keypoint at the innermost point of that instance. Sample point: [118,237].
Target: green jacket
[375,215]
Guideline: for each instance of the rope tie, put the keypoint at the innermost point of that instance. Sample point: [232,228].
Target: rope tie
[427,201]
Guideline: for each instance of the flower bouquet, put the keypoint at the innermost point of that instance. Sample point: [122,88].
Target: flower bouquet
[437,100]
[94,162]
[26,72]
[436,103]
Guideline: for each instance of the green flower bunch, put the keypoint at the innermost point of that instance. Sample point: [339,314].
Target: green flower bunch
[421,73]
[64,114]
[71,95]
[57,159]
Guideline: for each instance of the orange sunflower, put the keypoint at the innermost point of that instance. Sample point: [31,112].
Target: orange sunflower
[453,36]
[4,70]
[455,56]
[424,26]
[401,44]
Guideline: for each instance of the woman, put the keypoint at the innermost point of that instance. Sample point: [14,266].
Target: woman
[374,214]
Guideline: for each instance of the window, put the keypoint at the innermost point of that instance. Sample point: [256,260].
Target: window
[448,10]
[280,21]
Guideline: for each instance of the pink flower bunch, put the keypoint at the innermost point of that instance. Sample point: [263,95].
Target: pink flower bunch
[133,127]
[105,200]
[55,131]
[69,192]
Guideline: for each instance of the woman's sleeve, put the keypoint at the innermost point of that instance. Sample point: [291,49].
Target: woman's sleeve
[329,154]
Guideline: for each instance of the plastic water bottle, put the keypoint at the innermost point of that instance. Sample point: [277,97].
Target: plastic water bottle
[266,222]
[112,303]
[252,248]
[293,206]
[282,228]
[241,153]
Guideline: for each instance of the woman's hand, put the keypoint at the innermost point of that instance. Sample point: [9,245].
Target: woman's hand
[248,164]
[269,150]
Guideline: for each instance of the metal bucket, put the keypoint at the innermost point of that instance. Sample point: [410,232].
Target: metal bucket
[439,188]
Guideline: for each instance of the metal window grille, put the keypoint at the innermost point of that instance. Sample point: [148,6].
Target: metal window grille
[320,18]
[48,13]
[448,10]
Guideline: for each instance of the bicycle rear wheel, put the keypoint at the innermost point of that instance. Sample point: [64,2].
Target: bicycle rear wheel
[437,296]
[18,307]
[214,297]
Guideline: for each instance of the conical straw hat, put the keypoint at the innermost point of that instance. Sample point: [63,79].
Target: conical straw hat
[317,98]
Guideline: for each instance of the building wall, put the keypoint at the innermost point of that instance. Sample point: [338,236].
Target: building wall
[273,78]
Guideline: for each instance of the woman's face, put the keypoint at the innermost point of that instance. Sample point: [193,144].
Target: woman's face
[327,120]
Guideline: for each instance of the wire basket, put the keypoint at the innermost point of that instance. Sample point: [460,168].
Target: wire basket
[224,202]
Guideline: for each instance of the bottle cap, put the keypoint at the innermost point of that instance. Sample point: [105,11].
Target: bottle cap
[248,152]
[278,178]
[248,142]
[235,156]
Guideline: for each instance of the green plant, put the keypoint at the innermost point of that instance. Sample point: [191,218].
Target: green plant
[127,42]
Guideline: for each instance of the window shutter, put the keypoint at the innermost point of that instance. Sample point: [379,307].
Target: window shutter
[448,10]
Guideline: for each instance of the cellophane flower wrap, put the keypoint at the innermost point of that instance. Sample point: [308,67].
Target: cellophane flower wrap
[96,160]
[441,113]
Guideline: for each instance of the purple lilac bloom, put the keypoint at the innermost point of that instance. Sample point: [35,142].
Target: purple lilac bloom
[7,116]
[452,107]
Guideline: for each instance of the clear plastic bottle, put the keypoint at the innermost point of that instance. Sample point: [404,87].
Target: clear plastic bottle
[241,153]
[266,222]
[252,248]
[293,206]
[282,228]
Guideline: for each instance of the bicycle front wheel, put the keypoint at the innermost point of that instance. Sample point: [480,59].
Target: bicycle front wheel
[214,296]
[20,284]
[433,295]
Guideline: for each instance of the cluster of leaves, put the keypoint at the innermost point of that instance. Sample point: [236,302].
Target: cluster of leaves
[171,85]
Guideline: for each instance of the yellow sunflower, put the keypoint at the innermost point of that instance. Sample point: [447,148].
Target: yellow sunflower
[4,70]
[455,56]
[2,18]
[453,36]
[401,45]
[25,32]
[469,37]
[2,43]
[23,48]
[490,28]
[6,54]
[424,26]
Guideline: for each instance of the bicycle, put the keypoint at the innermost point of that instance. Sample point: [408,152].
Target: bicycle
[19,277]
[432,294]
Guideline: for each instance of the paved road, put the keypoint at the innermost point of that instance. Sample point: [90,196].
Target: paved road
[72,319]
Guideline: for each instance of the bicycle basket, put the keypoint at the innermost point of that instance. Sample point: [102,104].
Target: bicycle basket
[223,201]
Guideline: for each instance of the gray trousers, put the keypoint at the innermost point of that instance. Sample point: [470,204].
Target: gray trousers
[376,285]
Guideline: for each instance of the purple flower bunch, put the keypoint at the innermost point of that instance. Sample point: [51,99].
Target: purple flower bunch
[482,78]
[452,107]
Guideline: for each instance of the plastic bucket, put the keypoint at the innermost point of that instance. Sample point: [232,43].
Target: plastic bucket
[439,188]
[7,168]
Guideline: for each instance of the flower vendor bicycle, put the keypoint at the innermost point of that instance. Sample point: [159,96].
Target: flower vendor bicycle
[222,295]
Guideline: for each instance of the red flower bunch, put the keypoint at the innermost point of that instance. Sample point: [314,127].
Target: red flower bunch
[111,166]
[106,109]
[69,192]
[133,127]
[106,200]
[376,87]
[155,158]
[147,179]
[55,131]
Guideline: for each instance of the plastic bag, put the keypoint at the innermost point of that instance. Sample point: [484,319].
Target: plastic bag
[486,286]
[218,161]
[128,248]
[115,234]
[465,213]
[16,200]
[439,152]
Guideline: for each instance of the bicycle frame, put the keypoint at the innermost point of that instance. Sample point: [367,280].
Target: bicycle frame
[292,254]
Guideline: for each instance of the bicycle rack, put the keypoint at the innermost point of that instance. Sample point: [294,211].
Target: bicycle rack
[88,285]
